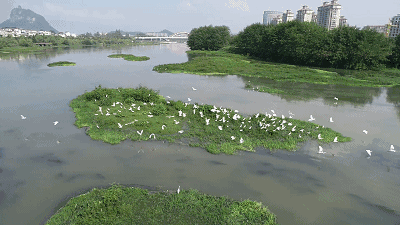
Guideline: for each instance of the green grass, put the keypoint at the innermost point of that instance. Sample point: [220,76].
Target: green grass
[61,63]
[156,113]
[129,57]
[224,62]
[124,205]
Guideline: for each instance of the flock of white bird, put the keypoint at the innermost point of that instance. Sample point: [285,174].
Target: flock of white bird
[221,118]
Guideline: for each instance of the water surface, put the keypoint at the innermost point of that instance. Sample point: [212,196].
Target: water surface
[38,175]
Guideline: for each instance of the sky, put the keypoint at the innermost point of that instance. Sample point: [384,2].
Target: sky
[81,16]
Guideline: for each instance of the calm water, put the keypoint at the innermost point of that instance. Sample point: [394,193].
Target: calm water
[38,175]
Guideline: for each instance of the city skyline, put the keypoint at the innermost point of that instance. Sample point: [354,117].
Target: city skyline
[81,16]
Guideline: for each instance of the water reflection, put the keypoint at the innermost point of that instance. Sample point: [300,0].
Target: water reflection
[38,175]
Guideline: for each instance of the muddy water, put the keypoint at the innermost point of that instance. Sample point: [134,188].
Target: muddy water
[38,174]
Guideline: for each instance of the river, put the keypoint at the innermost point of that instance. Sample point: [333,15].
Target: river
[42,165]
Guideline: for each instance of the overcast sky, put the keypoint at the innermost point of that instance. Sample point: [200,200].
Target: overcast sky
[80,16]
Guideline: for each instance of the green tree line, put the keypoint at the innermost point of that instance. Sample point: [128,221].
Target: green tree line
[306,44]
[83,39]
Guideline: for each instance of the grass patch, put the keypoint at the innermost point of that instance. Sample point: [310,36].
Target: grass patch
[61,63]
[124,205]
[224,62]
[113,115]
[129,57]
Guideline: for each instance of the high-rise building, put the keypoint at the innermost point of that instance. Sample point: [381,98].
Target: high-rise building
[394,26]
[329,14]
[276,20]
[304,14]
[314,17]
[343,21]
[288,16]
[269,15]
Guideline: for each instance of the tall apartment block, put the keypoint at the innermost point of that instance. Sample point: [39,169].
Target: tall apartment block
[329,14]
[394,26]
[276,20]
[268,16]
[288,16]
[343,21]
[304,14]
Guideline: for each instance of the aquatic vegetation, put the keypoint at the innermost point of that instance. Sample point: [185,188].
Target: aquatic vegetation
[125,205]
[129,57]
[61,63]
[114,115]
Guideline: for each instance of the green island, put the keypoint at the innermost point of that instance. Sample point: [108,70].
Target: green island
[224,62]
[61,63]
[129,57]
[113,115]
[129,205]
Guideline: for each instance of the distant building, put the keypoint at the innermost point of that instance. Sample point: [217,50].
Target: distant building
[276,20]
[329,14]
[314,17]
[343,21]
[394,26]
[378,28]
[304,14]
[268,16]
[288,16]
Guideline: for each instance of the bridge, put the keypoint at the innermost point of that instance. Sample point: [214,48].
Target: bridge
[176,36]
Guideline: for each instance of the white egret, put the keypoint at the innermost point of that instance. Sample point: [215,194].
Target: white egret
[207,121]
[119,125]
[107,114]
[58,142]
[233,137]
[335,98]
[140,133]
[241,140]
[299,136]
[365,131]
[97,126]
[283,117]
[179,189]
[23,117]
[194,89]
[144,103]
[330,120]
[154,136]
[181,131]
[168,96]
[150,115]
[189,99]
[319,137]
[113,104]
[55,123]
[392,149]
[369,152]
[272,111]
[335,140]
[184,114]
[163,127]
[293,129]
[321,150]
[138,108]
[311,118]
[176,122]
[220,127]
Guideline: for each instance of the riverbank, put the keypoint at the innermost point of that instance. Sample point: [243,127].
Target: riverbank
[41,49]
[124,205]
[114,115]
[224,62]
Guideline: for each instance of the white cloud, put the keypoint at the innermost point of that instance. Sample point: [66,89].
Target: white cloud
[239,5]
[78,14]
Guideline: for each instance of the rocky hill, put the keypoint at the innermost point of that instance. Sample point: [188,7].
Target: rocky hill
[27,19]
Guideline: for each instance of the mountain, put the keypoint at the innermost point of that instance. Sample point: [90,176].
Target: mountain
[27,19]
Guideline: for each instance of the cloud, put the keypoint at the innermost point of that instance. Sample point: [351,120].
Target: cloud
[79,14]
[239,5]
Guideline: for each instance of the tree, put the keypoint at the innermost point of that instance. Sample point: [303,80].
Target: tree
[394,57]
[208,38]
